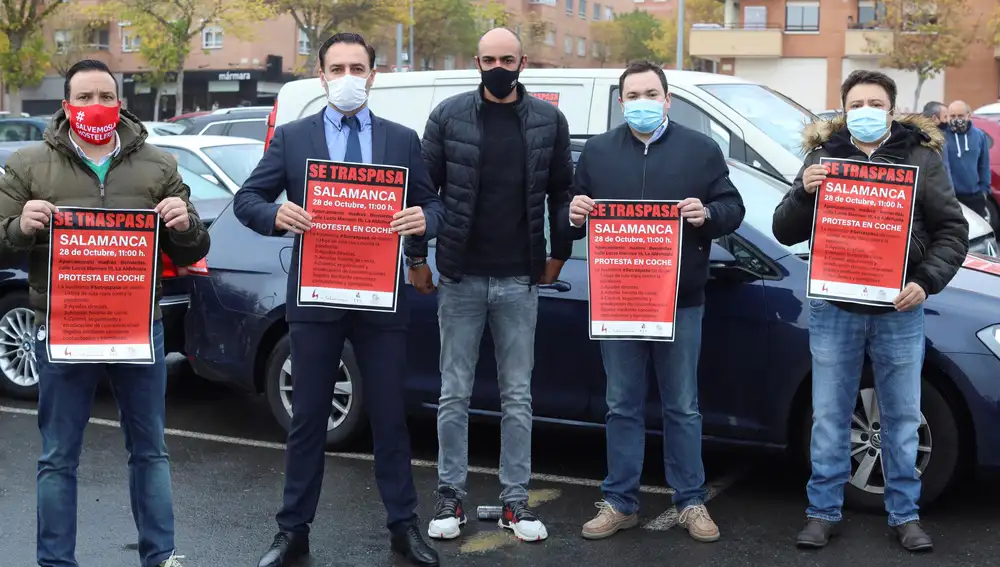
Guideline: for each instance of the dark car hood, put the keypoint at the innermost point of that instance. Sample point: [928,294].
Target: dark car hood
[210,209]
[970,280]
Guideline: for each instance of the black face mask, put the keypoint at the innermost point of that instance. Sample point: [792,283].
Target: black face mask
[959,125]
[499,81]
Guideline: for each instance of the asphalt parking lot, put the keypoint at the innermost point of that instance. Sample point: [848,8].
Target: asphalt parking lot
[227,474]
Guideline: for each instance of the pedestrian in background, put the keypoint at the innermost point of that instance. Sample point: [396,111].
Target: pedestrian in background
[344,130]
[841,333]
[651,157]
[71,169]
[496,154]
[968,155]
[938,112]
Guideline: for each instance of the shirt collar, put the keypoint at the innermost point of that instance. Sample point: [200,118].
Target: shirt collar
[334,116]
[80,152]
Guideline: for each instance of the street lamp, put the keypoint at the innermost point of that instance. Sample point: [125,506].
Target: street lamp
[680,35]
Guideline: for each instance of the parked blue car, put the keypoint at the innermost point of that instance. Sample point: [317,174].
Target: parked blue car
[754,373]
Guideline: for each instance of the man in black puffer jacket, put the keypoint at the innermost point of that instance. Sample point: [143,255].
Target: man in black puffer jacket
[495,154]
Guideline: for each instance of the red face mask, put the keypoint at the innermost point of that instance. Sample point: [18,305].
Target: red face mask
[95,123]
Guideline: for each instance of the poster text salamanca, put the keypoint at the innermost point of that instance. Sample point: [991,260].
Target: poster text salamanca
[350,258]
[861,232]
[102,281]
[633,249]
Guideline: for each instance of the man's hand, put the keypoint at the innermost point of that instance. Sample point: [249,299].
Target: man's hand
[35,216]
[579,208]
[422,279]
[910,298]
[552,269]
[692,210]
[814,176]
[409,222]
[173,211]
[292,218]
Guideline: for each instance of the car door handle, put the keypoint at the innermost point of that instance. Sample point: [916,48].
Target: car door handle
[557,285]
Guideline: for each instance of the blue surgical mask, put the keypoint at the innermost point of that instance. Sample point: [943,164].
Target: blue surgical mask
[643,114]
[867,124]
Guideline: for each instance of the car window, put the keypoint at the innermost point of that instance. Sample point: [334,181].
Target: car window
[684,113]
[256,129]
[778,116]
[36,134]
[216,129]
[188,159]
[15,132]
[201,188]
[236,160]
[761,196]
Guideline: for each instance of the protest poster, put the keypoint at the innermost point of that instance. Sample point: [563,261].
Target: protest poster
[861,232]
[350,258]
[633,257]
[102,284]
[547,97]
[981,263]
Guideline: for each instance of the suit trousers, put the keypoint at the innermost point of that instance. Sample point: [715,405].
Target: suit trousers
[380,351]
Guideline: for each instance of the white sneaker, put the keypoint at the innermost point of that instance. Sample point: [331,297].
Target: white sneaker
[518,518]
[449,517]
[173,561]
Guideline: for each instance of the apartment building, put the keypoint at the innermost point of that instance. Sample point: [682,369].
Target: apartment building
[805,48]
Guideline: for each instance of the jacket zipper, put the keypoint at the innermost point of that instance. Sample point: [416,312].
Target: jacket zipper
[645,154]
[913,233]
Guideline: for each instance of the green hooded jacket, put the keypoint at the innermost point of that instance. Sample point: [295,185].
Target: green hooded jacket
[139,177]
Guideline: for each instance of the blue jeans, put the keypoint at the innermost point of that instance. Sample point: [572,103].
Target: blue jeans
[838,340]
[675,364]
[511,307]
[65,396]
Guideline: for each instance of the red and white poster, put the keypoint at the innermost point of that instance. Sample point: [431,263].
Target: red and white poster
[547,97]
[981,263]
[102,285]
[861,232]
[350,258]
[633,257]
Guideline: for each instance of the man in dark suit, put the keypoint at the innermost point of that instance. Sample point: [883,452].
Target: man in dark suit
[344,131]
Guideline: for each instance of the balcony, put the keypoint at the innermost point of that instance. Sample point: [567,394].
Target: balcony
[712,41]
[864,43]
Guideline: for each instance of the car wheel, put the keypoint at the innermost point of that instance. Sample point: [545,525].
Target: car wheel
[18,370]
[994,211]
[937,449]
[347,416]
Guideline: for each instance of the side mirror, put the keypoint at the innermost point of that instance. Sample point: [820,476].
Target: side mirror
[720,258]
[212,178]
[722,265]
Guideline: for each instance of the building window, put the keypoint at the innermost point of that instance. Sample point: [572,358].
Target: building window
[581,47]
[870,13]
[597,11]
[583,9]
[61,40]
[550,37]
[755,17]
[595,49]
[802,16]
[568,45]
[569,7]
[211,38]
[609,14]
[449,62]
[304,47]
[100,39]
[130,42]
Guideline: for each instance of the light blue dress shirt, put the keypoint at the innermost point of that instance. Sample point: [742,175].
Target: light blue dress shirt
[336,134]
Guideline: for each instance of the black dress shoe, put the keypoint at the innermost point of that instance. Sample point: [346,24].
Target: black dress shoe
[913,537]
[815,534]
[411,545]
[286,549]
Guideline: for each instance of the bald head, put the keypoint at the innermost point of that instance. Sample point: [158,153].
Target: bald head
[500,40]
[959,109]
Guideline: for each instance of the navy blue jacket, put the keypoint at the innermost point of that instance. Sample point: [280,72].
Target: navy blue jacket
[679,164]
[283,168]
[968,158]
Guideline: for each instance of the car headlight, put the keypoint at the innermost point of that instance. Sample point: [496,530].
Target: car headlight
[990,336]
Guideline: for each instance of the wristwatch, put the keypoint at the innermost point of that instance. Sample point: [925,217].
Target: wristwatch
[708,214]
[415,262]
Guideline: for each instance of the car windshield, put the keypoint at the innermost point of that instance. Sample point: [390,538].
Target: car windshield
[201,188]
[237,160]
[778,116]
[761,196]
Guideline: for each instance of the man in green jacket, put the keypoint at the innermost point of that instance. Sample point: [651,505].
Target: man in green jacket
[95,156]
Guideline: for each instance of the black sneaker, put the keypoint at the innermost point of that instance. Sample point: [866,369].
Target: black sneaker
[449,516]
[518,518]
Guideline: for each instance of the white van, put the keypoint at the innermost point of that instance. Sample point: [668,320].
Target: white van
[752,123]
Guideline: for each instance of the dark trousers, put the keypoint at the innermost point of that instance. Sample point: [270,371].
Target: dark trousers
[381,355]
[976,202]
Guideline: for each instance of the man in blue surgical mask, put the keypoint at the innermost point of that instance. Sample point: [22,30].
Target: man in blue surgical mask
[652,158]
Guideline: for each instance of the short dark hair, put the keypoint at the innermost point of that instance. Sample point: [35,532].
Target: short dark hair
[87,65]
[637,67]
[346,37]
[861,77]
[932,109]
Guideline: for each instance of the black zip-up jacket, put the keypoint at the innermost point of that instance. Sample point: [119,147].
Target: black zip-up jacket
[452,146]
[940,235]
[681,163]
